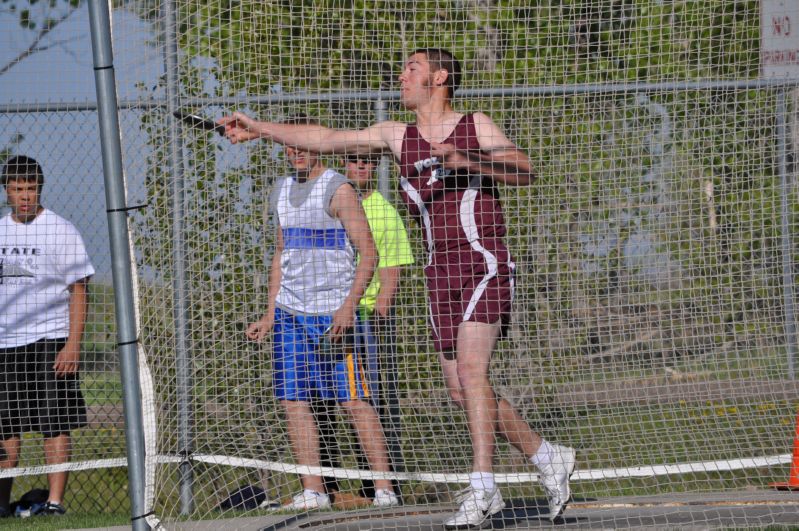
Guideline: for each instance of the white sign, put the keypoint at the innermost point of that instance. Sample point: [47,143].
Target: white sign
[779,38]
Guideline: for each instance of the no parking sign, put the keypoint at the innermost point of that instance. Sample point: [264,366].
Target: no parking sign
[779,38]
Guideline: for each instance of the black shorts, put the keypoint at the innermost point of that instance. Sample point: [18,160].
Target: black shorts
[32,398]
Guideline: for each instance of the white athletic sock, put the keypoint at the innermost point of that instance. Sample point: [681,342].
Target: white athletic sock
[544,455]
[482,481]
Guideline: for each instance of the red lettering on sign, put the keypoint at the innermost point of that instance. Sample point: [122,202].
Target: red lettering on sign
[781,26]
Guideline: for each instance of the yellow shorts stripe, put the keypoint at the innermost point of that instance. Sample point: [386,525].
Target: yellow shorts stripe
[364,382]
[351,376]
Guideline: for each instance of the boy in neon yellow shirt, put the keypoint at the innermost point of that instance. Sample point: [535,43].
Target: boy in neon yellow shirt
[394,251]
[391,239]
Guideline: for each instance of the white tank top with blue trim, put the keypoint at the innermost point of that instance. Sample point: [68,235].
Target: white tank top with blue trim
[318,261]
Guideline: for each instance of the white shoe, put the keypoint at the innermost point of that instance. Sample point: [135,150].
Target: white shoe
[307,500]
[478,506]
[385,498]
[555,479]
[460,496]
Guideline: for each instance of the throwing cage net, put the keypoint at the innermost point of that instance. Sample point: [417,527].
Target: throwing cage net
[652,323]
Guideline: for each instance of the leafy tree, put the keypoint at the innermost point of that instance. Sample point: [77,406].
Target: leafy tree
[39,19]
[9,149]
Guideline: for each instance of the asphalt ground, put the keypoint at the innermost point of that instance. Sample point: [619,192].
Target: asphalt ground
[723,510]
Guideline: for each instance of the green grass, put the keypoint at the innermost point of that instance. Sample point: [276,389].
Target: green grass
[89,492]
[100,380]
[101,388]
[610,436]
[100,331]
[94,498]
[68,521]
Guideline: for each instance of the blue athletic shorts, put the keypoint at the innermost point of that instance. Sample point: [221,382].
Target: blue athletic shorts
[309,367]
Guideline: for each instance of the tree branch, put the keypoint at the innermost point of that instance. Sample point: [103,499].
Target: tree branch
[34,46]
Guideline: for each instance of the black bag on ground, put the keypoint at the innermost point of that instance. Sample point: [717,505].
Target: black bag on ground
[30,498]
[246,497]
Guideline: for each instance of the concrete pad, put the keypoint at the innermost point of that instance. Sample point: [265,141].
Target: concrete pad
[756,508]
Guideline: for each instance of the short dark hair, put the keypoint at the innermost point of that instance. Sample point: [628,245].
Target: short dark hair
[441,59]
[23,168]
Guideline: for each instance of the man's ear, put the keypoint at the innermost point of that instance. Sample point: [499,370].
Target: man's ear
[440,77]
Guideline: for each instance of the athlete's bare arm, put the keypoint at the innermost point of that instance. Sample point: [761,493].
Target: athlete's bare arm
[263,326]
[389,283]
[383,136]
[498,158]
[346,207]
[68,359]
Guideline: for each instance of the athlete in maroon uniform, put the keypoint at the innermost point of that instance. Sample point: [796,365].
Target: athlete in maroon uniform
[469,270]
[450,163]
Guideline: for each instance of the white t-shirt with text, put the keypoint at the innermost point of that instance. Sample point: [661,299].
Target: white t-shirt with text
[39,260]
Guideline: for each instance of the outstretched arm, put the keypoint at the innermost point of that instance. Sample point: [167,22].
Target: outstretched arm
[498,158]
[380,137]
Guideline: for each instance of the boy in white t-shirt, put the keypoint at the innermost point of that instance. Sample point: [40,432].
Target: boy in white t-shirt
[44,272]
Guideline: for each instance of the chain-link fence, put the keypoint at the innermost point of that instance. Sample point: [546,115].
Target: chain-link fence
[64,142]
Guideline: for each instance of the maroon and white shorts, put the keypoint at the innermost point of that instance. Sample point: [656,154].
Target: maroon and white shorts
[462,292]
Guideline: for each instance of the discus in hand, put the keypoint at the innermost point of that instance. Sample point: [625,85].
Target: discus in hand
[199,122]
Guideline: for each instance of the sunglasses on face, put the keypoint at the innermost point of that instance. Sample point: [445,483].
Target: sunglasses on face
[355,159]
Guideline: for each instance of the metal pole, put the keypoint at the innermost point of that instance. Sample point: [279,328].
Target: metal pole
[384,170]
[375,95]
[517,91]
[180,286]
[105,84]
[787,247]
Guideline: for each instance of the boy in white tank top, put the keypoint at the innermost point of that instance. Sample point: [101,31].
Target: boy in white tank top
[314,290]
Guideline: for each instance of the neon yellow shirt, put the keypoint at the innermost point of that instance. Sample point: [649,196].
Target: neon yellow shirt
[391,240]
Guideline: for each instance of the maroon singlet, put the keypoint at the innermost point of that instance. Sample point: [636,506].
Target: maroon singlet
[469,271]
